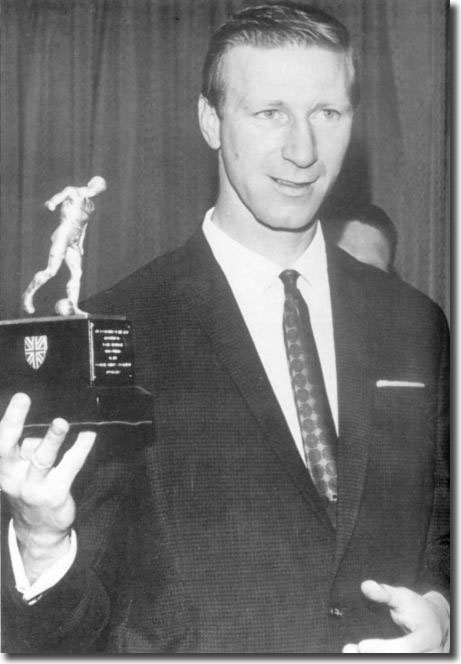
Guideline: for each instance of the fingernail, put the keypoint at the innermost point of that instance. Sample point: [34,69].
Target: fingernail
[60,426]
[20,399]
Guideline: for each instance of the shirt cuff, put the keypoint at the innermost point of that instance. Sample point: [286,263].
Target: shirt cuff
[443,610]
[31,592]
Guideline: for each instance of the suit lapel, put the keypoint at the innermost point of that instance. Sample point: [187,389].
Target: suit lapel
[349,306]
[207,294]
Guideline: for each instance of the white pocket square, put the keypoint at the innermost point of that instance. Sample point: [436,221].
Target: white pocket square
[398,383]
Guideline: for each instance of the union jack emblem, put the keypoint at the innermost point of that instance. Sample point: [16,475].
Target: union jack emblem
[35,349]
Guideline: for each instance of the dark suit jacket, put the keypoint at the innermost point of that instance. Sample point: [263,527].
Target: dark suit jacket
[212,539]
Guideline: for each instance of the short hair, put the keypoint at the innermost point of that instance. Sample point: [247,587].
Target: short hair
[369,215]
[376,217]
[271,26]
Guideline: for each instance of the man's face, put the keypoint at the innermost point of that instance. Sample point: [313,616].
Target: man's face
[282,133]
[367,244]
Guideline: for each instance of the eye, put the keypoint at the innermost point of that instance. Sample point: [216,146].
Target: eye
[269,114]
[330,114]
[327,115]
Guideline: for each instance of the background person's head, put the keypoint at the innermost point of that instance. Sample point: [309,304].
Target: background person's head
[368,234]
[277,104]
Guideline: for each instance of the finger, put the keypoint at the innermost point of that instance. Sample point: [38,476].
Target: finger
[75,457]
[28,447]
[425,639]
[351,648]
[46,453]
[418,641]
[13,421]
[382,593]
[386,646]
[397,598]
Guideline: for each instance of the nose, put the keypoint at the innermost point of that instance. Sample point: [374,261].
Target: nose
[300,144]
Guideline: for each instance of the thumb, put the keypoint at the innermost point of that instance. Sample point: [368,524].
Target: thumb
[377,592]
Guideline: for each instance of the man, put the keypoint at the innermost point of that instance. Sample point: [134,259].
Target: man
[248,525]
[368,234]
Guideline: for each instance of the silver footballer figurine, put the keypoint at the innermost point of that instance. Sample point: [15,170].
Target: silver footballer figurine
[67,245]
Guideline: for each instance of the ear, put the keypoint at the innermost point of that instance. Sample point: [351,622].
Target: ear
[209,123]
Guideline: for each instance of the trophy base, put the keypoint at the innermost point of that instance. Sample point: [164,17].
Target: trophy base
[121,417]
[79,368]
[95,407]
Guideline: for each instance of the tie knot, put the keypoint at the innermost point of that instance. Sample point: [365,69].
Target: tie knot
[289,279]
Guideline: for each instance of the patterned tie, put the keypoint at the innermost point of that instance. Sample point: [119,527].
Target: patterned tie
[314,414]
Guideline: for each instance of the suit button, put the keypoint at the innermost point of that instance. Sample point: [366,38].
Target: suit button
[336,611]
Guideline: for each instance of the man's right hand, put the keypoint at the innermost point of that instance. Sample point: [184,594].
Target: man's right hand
[39,493]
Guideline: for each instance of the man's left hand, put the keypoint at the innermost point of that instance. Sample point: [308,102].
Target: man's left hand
[424,621]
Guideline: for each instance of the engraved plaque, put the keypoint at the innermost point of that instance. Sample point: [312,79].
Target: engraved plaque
[112,352]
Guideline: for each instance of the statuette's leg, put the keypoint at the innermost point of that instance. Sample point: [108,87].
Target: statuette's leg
[73,259]
[37,282]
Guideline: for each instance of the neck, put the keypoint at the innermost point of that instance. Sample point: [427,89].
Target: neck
[279,246]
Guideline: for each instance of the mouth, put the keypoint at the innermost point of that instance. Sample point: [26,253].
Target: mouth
[291,186]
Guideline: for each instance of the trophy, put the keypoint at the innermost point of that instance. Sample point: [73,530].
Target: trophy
[73,364]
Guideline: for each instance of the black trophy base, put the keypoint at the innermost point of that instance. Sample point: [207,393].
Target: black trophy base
[79,368]
[94,407]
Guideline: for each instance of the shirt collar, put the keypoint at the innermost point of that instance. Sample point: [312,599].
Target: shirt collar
[250,273]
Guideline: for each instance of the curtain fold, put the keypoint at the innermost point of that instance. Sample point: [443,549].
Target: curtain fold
[110,87]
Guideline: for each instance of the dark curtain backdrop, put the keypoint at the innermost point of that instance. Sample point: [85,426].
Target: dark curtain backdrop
[109,87]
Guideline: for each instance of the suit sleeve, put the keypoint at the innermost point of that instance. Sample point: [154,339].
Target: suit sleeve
[436,563]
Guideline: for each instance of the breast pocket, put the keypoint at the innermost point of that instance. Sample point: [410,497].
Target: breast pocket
[405,417]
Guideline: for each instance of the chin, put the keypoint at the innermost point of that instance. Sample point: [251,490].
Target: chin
[290,226]
[294,218]
[286,219]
